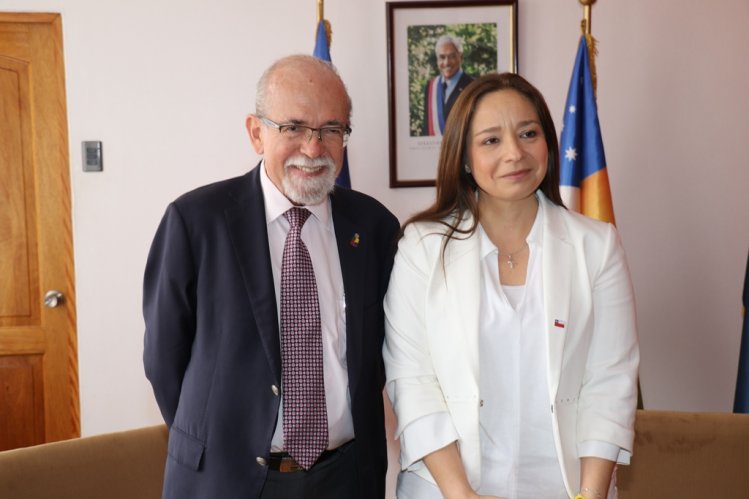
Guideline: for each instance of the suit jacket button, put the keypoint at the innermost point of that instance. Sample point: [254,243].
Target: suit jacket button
[274,389]
[261,461]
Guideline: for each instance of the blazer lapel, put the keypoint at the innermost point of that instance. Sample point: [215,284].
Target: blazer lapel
[558,263]
[353,245]
[249,235]
[455,297]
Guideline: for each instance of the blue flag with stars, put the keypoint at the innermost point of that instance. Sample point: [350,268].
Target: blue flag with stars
[583,175]
[322,51]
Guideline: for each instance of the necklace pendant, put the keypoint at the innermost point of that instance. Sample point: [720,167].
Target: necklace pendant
[510,262]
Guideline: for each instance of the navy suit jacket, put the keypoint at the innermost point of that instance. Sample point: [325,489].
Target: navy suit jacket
[212,344]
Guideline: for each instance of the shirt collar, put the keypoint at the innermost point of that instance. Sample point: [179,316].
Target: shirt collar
[276,204]
[454,78]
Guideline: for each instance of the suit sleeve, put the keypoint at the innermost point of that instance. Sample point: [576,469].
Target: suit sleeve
[169,307]
[608,397]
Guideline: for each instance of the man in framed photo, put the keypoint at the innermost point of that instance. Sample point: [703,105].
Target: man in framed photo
[442,90]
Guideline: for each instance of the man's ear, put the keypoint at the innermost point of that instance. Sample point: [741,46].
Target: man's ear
[253,125]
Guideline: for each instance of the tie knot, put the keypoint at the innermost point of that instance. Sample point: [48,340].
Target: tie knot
[297,216]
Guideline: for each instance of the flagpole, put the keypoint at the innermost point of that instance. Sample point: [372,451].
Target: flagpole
[592,50]
[587,8]
[585,26]
[321,19]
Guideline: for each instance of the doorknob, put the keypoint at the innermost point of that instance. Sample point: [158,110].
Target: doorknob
[53,299]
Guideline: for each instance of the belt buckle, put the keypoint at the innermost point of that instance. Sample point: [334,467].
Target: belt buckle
[288,465]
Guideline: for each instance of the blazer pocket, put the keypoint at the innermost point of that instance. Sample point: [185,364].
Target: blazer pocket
[185,449]
[561,401]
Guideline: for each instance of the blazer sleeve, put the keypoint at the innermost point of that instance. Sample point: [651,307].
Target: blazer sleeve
[608,397]
[411,384]
[169,306]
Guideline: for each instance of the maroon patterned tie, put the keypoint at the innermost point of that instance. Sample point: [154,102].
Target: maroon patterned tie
[305,419]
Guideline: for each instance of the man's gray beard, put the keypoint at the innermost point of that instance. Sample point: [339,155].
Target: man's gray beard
[304,191]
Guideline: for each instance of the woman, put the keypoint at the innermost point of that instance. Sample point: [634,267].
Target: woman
[511,346]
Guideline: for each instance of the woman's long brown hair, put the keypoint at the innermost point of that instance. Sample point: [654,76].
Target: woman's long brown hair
[455,186]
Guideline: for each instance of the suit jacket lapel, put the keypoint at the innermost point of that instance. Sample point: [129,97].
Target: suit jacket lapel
[249,235]
[352,244]
[462,83]
[558,264]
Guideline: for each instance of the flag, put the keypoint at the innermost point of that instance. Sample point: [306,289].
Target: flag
[584,180]
[583,176]
[322,51]
[741,400]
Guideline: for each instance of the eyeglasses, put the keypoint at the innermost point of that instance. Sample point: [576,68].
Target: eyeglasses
[331,135]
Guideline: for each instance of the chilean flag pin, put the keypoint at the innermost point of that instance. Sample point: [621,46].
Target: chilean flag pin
[559,324]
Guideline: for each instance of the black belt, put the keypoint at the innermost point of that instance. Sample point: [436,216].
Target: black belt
[283,462]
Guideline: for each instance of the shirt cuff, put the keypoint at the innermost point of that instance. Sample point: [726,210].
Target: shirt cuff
[603,450]
[424,436]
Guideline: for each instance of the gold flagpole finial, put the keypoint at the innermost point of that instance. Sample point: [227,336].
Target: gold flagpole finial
[592,49]
[585,24]
[321,19]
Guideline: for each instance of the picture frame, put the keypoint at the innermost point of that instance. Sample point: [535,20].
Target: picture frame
[418,100]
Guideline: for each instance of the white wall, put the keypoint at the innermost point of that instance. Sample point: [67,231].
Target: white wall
[166,86]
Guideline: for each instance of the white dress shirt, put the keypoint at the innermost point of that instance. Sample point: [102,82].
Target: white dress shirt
[452,82]
[318,235]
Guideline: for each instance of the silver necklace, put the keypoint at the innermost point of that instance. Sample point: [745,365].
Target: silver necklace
[510,261]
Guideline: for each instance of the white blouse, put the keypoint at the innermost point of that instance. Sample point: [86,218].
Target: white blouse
[518,456]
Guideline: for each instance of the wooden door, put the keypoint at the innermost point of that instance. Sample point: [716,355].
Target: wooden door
[38,348]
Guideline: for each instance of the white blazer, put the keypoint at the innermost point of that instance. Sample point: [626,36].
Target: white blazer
[431,348]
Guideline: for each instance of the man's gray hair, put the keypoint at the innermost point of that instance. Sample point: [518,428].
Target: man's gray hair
[445,39]
[301,60]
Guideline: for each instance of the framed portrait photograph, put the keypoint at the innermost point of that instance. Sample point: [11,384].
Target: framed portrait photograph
[435,49]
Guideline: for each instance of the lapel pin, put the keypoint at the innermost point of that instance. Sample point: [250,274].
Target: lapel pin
[560,324]
[355,240]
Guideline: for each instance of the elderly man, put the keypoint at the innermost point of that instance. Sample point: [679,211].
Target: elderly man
[442,90]
[263,311]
